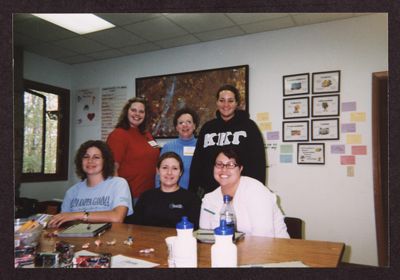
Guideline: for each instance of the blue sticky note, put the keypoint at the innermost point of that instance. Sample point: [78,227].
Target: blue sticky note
[286,158]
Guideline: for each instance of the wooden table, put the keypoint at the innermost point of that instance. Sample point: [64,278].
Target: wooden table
[251,249]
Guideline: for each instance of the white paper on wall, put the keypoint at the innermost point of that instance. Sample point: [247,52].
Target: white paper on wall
[87,107]
[113,100]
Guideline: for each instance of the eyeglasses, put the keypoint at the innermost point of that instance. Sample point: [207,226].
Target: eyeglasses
[94,158]
[229,165]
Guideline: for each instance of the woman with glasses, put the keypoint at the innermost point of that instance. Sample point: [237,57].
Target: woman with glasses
[231,127]
[134,148]
[254,204]
[185,121]
[165,206]
[98,197]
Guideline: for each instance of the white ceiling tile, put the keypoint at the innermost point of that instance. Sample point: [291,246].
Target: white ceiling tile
[178,41]
[156,29]
[310,18]
[147,47]
[126,18]
[105,54]
[195,23]
[42,30]
[243,18]
[220,34]
[49,50]
[81,45]
[268,25]
[115,37]
[22,16]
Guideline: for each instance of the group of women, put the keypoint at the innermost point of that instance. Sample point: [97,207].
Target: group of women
[129,180]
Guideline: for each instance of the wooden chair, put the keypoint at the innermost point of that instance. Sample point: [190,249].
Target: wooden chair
[294,227]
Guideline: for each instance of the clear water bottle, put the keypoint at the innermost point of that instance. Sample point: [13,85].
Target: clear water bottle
[185,245]
[223,252]
[227,213]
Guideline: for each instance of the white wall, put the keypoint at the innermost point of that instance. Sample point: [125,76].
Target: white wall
[334,207]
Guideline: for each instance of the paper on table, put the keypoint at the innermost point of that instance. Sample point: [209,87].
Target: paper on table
[84,253]
[121,261]
[279,264]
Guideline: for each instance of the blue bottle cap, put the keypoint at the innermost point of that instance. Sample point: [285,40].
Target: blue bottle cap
[227,198]
[184,224]
[223,229]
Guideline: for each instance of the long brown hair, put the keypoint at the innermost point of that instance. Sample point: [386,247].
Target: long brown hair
[123,121]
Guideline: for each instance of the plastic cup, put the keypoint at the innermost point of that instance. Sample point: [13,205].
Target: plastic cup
[170,244]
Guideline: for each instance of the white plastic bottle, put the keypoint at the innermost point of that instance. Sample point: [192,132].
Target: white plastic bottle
[185,245]
[224,251]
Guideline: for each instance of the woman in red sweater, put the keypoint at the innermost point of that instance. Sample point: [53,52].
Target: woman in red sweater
[134,148]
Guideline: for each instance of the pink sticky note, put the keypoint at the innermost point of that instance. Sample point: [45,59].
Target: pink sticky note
[347,160]
[358,150]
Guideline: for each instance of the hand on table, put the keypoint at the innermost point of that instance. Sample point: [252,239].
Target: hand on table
[61,218]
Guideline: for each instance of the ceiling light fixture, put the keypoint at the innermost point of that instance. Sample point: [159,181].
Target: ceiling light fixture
[78,23]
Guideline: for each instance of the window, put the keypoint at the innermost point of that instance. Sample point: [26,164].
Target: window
[46,133]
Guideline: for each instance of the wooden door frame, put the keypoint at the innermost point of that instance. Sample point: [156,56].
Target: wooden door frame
[380,195]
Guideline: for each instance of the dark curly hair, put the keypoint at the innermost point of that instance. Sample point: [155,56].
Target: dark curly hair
[231,153]
[108,159]
[170,155]
[189,111]
[232,89]
[123,121]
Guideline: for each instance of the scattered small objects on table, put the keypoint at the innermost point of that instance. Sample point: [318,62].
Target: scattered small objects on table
[86,245]
[112,242]
[147,251]
[129,242]
[97,242]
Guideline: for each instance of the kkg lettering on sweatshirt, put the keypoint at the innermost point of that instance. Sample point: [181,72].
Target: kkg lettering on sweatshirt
[223,138]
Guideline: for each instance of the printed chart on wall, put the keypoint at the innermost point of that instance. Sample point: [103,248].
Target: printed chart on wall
[87,107]
[112,101]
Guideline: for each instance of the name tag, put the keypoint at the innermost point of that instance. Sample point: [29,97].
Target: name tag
[188,150]
[153,144]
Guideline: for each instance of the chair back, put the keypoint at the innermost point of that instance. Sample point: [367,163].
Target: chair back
[294,227]
[51,207]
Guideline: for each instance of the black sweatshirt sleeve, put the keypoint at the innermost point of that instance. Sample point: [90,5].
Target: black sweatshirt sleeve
[196,165]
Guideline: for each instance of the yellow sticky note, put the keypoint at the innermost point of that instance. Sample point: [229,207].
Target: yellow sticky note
[262,117]
[350,171]
[353,139]
[357,116]
[265,126]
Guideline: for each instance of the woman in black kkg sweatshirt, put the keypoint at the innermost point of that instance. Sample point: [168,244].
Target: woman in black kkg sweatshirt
[231,127]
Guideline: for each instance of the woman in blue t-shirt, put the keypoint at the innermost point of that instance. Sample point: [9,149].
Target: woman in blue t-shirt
[186,122]
[99,196]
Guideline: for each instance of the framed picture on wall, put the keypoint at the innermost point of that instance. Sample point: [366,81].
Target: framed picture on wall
[296,84]
[295,131]
[310,153]
[168,93]
[296,108]
[325,129]
[326,105]
[326,82]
